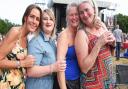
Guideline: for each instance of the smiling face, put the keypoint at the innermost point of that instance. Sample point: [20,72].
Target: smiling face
[86,12]
[48,23]
[72,16]
[32,20]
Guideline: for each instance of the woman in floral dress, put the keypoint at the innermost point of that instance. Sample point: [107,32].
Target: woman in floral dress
[13,52]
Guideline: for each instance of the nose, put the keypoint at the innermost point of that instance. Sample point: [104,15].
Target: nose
[35,20]
[48,20]
[74,16]
[85,13]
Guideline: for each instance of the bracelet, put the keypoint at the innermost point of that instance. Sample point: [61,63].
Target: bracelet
[18,64]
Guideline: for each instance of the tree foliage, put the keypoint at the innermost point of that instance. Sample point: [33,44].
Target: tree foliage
[122,20]
[5,26]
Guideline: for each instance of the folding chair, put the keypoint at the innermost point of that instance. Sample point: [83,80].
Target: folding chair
[121,76]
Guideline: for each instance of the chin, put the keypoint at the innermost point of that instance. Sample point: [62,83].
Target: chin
[74,25]
[32,30]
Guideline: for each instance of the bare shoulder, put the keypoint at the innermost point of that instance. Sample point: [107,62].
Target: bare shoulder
[8,42]
[81,35]
[12,34]
[14,30]
[64,34]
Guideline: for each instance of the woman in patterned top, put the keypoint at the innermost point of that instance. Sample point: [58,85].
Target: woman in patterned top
[93,50]
[13,52]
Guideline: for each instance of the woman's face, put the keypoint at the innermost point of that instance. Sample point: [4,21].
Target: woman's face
[32,20]
[73,17]
[86,12]
[48,24]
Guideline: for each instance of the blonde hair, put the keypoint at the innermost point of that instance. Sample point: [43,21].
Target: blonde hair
[69,6]
[52,16]
[95,7]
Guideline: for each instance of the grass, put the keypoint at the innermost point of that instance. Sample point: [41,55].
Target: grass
[120,61]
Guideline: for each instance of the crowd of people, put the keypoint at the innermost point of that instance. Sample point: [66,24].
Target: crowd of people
[78,58]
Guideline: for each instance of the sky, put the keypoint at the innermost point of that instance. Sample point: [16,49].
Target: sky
[13,10]
[122,6]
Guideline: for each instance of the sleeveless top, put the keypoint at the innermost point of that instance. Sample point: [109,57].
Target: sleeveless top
[72,70]
[13,78]
[100,75]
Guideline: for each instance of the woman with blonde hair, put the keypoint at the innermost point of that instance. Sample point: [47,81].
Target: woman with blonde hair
[93,50]
[43,48]
[66,50]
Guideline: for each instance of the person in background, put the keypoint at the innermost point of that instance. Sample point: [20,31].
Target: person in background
[119,40]
[13,50]
[66,50]
[43,48]
[92,46]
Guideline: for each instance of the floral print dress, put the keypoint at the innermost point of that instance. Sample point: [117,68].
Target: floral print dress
[13,78]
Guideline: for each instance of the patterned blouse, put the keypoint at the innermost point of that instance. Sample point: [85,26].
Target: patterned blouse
[13,78]
[100,75]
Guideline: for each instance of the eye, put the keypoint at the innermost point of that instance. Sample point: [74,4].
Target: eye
[37,18]
[51,19]
[31,16]
[81,12]
[34,17]
[44,18]
[84,11]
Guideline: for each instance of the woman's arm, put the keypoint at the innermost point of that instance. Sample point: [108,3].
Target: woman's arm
[37,70]
[62,47]
[6,47]
[86,60]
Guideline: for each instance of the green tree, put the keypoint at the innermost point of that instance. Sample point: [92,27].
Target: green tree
[5,26]
[122,20]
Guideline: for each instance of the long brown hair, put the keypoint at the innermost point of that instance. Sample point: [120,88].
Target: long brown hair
[28,11]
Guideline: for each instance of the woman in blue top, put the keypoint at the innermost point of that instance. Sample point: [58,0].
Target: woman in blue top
[66,50]
[43,47]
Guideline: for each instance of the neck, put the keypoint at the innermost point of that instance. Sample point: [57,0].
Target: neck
[47,35]
[72,29]
[24,32]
